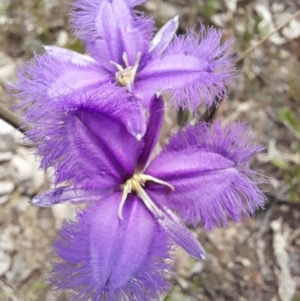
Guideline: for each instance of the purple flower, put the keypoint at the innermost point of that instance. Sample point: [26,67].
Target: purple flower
[193,68]
[105,258]
[121,244]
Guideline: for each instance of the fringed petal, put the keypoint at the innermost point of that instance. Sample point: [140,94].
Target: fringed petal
[180,234]
[133,3]
[85,138]
[195,69]
[110,28]
[104,258]
[92,192]
[208,168]
[56,73]
[69,56]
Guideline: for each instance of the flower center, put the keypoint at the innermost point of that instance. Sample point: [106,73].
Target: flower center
[136,184]
[126,76]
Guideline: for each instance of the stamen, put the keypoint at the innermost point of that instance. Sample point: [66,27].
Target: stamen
[126,76]
[137,61]
[135,184]
[125,59]
[126,191]
[141,193]
[119,67]
[158,181]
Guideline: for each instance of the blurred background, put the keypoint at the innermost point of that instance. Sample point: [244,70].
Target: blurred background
[256,260]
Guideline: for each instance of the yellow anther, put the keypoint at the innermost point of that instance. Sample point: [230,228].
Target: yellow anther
[135,184]
[126,76]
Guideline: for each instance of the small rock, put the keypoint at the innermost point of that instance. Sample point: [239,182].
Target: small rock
[63,212]
[292,31]
[27,169]
[4,199]
[197,268]
[183,264]
[62,38]
[5,128]
[38,179]
[12,230]
[7,68]
[231,5]
[4,157]
[230,265]
[277,7]
[5,263]
[19,270]
[6,243]
[220,19]
[44,223]
[7,142]
[183,283]
[23,167]
[244,261]
[266,22]
[6,187]
[23,204]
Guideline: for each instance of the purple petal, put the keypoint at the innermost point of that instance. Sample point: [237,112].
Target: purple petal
[155,122]
[61,72]
[104,257]
[74,195]
[195,69]
[53,74]
[209,169]
[136,125]
[133,3]
[84,138]
[111,28]
[69,56]
[163,38]
[180,234]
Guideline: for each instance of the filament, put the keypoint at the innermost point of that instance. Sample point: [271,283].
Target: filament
[136,184]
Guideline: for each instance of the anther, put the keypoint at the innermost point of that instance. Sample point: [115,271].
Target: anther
[119,67]
[125,59]
[126,76]
[137,61]
[136,184]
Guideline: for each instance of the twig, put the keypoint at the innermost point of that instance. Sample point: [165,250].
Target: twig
[263,227]
[14,289]
[11,118]
[266,37]
[209,114]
